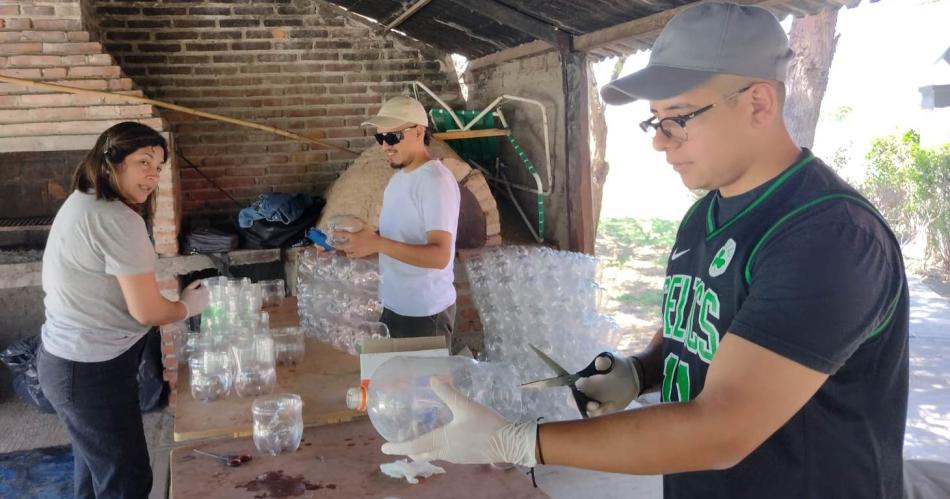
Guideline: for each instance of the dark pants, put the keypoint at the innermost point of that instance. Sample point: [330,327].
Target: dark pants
[402,326]
[98,402]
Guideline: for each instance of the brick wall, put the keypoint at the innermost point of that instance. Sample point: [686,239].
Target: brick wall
[305,66]
[45,133]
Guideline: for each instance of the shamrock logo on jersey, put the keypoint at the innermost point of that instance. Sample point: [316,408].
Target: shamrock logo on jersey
[722,259]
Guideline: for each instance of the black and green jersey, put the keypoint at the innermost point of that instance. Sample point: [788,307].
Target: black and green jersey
[807,269]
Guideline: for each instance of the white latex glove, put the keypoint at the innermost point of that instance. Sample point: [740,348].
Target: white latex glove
[476,435]
[615,390]
[195,297]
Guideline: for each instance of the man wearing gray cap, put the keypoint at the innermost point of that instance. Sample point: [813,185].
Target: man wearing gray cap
[782,363]
[417,227]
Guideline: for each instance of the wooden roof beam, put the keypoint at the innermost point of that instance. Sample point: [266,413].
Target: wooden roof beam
[407,14]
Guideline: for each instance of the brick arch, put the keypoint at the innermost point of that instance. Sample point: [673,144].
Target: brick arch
[359,189]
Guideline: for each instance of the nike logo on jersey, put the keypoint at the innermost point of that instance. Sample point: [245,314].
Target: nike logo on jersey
[677,254]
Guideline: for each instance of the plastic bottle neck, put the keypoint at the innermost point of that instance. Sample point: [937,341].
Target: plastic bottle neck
[356,398]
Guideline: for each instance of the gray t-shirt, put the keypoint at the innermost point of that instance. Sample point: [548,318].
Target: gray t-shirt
[91,242]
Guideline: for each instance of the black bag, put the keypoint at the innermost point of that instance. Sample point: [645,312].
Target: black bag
[207,240]
[20,358]
[265,235]
[152,387]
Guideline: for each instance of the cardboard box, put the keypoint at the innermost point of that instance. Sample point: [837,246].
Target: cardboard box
[375,352]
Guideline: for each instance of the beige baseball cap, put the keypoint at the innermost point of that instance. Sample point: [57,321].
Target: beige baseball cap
[399,111]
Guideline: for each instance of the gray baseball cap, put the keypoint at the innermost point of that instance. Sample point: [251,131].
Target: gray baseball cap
[702,41]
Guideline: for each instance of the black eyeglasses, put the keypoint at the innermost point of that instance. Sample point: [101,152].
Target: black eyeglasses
[391,138]
[674,127]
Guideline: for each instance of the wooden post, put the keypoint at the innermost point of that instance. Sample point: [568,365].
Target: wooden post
[580,205]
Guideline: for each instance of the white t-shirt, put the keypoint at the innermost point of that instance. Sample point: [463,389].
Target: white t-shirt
[92,241]
[414,203]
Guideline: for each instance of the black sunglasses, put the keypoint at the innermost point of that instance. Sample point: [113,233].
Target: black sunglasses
[391,138]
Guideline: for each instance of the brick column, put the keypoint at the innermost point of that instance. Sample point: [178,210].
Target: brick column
[167,220]
[172,336]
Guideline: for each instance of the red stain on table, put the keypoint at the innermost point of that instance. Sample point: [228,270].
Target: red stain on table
[278,485]
[339,464]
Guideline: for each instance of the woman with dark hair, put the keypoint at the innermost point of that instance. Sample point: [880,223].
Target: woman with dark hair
[101,299]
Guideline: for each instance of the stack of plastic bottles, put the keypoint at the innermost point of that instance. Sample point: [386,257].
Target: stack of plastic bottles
[546,298]
[234,309]
[234,347]
[338,302]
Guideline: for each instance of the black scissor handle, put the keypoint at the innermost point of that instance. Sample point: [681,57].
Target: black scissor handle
[591,370]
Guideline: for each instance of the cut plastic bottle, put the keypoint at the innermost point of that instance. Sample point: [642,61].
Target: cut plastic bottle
[402,406]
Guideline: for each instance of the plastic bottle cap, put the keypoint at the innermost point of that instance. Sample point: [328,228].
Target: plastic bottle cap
[356,398]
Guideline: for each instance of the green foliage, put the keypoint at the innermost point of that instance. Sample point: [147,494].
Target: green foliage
[932,201]
[631,232]
[841,113]
[889,181]
[841,157]
[910,185]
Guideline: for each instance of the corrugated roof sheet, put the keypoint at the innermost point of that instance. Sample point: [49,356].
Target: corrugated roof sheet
[463,29]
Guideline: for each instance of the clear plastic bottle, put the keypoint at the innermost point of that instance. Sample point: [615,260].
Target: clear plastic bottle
[211,373]
[338,225]
[289,345]
[402,405]
[278,423]
[254,371]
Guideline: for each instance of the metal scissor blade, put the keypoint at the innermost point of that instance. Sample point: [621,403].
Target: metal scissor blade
[560,371]
[565,380]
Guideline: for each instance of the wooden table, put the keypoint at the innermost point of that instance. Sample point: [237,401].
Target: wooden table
[321,380]
[338,461]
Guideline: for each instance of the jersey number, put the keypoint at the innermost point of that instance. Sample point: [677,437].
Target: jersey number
[675,374]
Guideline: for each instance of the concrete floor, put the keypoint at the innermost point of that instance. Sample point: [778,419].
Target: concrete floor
[24,427]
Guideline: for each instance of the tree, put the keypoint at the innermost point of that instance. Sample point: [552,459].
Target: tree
[813,40]
[598,140]
[931,177]
[889,182]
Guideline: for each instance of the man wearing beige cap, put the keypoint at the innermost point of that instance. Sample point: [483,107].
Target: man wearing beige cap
[417,227]
[782,363]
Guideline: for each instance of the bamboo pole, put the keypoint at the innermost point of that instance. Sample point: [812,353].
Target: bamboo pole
[187,110]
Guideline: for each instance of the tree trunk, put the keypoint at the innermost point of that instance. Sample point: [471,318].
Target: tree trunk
[598,141]
[813,40]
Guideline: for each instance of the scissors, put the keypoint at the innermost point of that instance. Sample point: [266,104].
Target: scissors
[565,378]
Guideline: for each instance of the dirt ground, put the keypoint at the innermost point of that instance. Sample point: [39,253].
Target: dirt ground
[633,256]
